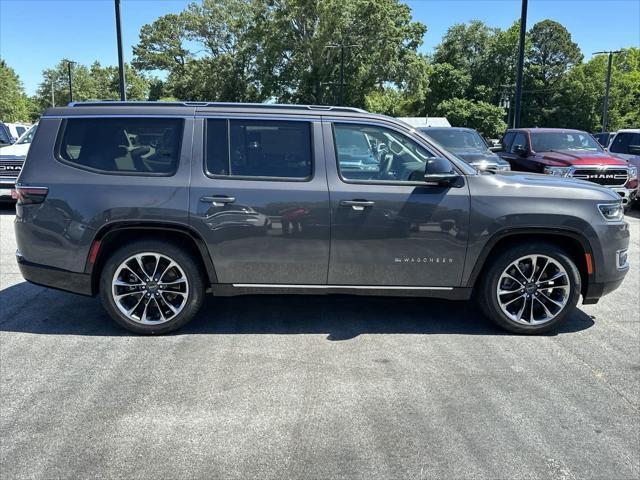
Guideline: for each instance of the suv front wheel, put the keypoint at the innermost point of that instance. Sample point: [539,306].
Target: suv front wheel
[530,288]
[151,287]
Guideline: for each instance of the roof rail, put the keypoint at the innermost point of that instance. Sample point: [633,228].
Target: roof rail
[266,106]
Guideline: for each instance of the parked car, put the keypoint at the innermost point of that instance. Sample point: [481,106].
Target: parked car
[569,153]
[11,161]
[5,136]
[128,201]
[626,145]
[17,130]
[467,144]
[604,138]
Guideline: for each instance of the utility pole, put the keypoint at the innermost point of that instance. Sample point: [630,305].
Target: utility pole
[505,101]
[605,105]
[341,84]
[69,62]
[53,97]
[123,90]
[520,74]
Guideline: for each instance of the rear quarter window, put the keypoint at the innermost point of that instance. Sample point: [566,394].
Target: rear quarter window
[138,146]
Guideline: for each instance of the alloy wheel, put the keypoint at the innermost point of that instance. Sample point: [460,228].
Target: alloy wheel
[150,288]
[533,289]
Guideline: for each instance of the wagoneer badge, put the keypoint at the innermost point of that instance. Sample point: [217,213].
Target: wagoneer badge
[422,260]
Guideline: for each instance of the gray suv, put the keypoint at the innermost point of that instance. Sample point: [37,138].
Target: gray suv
[150,205]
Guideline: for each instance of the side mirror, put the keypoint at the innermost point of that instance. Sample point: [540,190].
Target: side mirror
[440,171]
[634,149]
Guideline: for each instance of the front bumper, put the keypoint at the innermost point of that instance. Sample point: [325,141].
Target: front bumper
[57,278]
[611,261]
[6,186]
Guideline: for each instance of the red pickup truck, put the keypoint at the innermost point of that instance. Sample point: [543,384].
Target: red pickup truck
[568,153]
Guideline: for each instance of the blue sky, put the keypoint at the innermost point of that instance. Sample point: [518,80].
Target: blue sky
[36,34]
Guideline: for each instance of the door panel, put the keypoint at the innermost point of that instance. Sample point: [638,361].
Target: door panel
[394,234]
[267,231]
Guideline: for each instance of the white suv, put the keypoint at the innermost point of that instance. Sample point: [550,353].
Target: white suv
[626,145]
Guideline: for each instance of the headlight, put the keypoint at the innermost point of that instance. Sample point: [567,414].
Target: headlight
[558,171]
[612,212]
[633,173]
[503,168]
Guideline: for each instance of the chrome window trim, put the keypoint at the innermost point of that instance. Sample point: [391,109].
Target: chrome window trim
[346,287]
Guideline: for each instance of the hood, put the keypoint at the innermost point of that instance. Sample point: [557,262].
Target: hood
[568,158]
[582,188]
[14,152]
[480,160]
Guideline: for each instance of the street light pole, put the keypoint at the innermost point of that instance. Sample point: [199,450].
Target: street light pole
[605,105]
[69,62]
[341,83]
[123,91]
[53,97]
[520,74]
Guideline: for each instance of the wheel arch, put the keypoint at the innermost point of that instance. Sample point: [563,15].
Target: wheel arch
[575,244]
[111,236]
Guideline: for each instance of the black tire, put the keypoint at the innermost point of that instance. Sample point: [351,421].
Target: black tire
[487,296]
[194,276]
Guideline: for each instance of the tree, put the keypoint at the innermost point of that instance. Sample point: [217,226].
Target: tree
[446,82]
[89,83]
[15,106]
[300,48]
[287,50]
[484,117]
[220,68]
[552,54]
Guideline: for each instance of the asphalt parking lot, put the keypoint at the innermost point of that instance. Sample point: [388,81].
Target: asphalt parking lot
[316,387]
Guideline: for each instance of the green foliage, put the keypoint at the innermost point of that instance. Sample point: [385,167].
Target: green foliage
[390,101]
[550,58]
[89,83]
[290,51]
[286,50]
[15,106]
[484,117]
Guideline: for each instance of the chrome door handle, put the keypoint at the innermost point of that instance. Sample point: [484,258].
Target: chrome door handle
[218,200]
[357,204]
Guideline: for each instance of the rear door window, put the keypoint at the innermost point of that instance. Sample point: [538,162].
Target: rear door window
[259,149]
[143,146]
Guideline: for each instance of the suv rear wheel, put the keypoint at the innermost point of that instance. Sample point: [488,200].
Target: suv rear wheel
[530,288]
[151,287]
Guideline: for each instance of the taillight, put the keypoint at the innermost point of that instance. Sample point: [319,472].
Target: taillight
[29,195]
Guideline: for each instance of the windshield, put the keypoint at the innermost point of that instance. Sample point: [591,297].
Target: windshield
[457,139]
[549,141]
[4,136]
[28,136]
